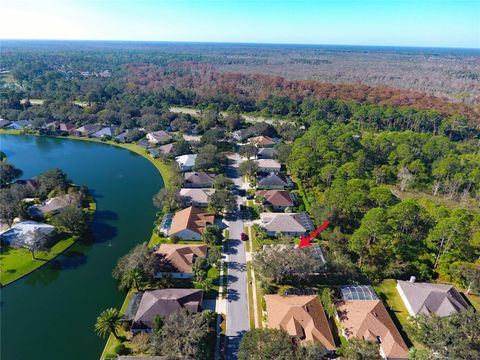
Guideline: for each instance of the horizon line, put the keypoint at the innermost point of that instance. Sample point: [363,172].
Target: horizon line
[244,43]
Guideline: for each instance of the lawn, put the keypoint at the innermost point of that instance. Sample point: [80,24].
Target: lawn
[16,263]
[250,296]
[389,294]
[111,341]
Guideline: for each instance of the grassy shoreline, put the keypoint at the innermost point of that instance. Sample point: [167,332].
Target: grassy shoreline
[18,263]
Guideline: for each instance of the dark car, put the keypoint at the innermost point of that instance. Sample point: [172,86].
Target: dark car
[241,192]
[249,197]
[243,237]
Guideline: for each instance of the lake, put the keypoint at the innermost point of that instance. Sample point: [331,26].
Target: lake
[50,314]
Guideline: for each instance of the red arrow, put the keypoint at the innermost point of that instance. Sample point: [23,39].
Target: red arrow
[306,240]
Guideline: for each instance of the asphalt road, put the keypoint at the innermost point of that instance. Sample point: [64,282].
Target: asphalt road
[237,301]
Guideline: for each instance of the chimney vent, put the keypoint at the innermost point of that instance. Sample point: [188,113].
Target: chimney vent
[412,279]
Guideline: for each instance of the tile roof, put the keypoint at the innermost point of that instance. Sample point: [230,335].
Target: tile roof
[438,299]
[262,141]
[159,136]
[181,257]
[199,178]
[163,302]
[300,316]
[167,149]
[266,153]
[268,164]
[200,196]
[52,205]
[275,179]
[370,320]
[191,218]
[280,222]
[276,197]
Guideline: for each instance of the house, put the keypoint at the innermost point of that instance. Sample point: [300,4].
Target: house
[262,141]
[198,179]
[274,181]
[179,259]
[19,124]
[241,134]
[158,137]
[277,199]
[369,320]
[106,132]
[52,125]
[68,127]
[145,306]
[316,251]
[288,224]
[268,165]
[189,223]
[266,153]
[186,162]
[425,298]
[196,197]
[4,123]
[53,205]
[301,316]
[27,233]
[86,130]
[168,149]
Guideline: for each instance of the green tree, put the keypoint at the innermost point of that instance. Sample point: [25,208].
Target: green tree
[266,344]
[359,349]
[168,199]
[199,269]
[140,259]
[212,235]
[452,337]
[52,180]
[209,158]
[221,182]
[248,151]
[71,219]
[8,173]
[328,302]
[183,335]
[222,200]
[109,321]
[248,168]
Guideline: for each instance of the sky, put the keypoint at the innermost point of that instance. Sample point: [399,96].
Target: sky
[428,23]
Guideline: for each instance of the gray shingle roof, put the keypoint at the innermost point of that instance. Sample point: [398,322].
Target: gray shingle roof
[439,299]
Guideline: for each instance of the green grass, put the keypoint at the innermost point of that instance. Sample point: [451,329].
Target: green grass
[250,296]
[111,341]
[17,263]
[389,294]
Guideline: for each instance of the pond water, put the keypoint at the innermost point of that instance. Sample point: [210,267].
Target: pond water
[50,314]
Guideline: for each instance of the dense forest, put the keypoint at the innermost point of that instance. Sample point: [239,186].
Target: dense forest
[349,176]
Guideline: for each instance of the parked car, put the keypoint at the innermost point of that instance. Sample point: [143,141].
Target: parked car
[241,192]
[243,237]
[249,197]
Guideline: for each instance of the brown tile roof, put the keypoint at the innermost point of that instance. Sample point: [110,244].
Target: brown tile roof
[276,197]
[167,149]
[191,218]
[370,320]
[181,257]
[300,316]
[262,140]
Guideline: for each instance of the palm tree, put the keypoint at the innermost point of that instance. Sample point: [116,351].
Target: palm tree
[109,320]
[134,278]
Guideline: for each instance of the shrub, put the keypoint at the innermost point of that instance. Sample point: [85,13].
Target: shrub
[121,349]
